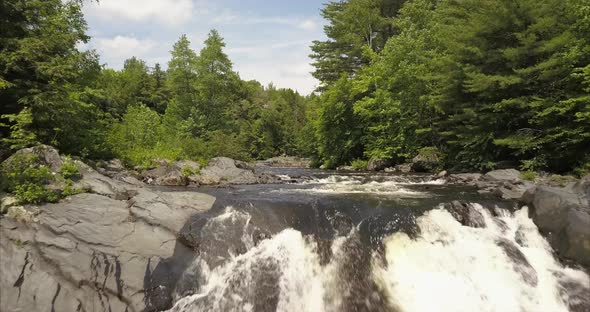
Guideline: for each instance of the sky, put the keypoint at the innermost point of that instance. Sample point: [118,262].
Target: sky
[267,40]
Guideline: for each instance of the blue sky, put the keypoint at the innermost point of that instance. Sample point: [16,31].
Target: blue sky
[266,40]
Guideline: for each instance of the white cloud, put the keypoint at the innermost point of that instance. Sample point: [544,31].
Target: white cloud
[168,12]
[114,51]
[308,24]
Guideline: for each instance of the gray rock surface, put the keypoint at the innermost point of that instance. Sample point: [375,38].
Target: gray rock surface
[563,215]
[378,164]
[502,175]
[403,168]
[97,251]
[223,170]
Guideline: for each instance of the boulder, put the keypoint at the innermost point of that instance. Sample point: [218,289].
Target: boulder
[466,214]
[378,164]
[165,176]
[563,215]
[512,190]
[442,174]
[47,155]
[502,175]
[427,160]
[465,178]
[403,168]
[223,170]
[345,168]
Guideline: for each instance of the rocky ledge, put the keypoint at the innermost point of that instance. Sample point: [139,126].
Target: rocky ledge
[96,251]
[559,206]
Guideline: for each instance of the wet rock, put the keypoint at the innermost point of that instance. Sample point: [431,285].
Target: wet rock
[563,215]
[512,190]
[520,264]
[378,164]
[466,214]
[442,174]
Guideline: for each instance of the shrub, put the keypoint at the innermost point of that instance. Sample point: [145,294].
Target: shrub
[528,175]
[359,164]
[187,171]
[31,193]
[69,169]
[26,178]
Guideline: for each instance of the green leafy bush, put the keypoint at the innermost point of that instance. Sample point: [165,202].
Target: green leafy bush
[69,169]
[24,176]
[359,164]
[528,175]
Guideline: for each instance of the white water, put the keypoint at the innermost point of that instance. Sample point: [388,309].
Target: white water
[448,267]
[358,184]
[457,268]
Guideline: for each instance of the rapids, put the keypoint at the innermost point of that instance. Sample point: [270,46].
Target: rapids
[372,243]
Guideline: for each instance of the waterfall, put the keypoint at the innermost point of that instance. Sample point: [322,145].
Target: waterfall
[504,266]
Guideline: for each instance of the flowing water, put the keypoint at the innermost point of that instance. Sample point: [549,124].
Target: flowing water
[361,242]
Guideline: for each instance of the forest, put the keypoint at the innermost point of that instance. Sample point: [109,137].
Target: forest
[478,83]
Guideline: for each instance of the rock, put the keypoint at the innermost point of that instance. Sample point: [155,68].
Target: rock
[582,187]
[378,164]
[519,261]
[442,174]
[551,206]
[514,191]
[47,155]
[286,162]
[224,170]
[94,253]
[244,165]
[403,168]
[165,176]
[97,183]
[577,233]
[466,178]
[503,175]
[427,160]
[563,215]
[7,201]
[20,214]
[466,214]
[345,168]
[188,165]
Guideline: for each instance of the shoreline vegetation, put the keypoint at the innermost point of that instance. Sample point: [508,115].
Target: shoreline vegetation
[464,86]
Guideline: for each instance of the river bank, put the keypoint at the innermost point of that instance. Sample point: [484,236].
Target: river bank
[309,240]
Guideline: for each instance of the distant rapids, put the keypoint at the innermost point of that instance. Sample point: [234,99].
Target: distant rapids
[363,243]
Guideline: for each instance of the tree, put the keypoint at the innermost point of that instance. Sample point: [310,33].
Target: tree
[354,26]
[44,76]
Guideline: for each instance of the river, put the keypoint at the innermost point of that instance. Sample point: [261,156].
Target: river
[332,241]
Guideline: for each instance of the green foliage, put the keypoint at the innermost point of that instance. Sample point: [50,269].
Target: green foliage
[359,164]
[69,169]
[528,175]
[26,178]
[484,81]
